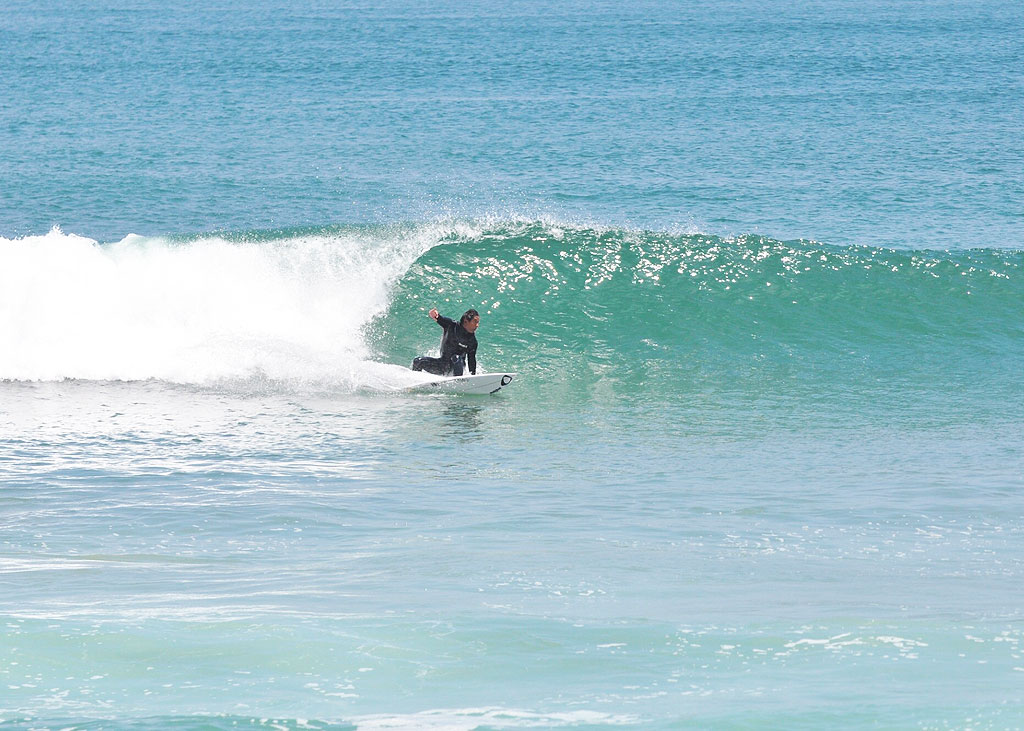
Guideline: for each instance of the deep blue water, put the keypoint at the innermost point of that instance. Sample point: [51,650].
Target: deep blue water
[758,266]
[845,122]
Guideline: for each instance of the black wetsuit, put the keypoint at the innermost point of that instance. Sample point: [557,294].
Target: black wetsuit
[458,349]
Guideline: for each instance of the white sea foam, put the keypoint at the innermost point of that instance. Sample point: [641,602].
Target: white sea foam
[466,719]
[202,311]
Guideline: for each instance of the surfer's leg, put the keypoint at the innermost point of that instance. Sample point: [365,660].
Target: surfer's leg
[430,365]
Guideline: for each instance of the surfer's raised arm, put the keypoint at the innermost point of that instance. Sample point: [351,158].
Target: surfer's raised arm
[433,314]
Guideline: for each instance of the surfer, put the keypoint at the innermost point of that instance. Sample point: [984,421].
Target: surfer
[458,346]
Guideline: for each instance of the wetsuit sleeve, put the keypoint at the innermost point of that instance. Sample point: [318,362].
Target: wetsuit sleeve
[445,322]
[471,359]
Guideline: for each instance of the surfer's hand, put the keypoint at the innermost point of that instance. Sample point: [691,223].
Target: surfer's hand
[433,313]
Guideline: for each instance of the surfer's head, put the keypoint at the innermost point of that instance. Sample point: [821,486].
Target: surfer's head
[470,320]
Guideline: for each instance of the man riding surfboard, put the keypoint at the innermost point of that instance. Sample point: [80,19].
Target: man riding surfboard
[458,346]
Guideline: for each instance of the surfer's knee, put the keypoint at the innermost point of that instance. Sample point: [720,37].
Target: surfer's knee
[458,365]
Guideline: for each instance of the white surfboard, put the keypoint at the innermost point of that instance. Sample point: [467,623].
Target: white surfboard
[481,383]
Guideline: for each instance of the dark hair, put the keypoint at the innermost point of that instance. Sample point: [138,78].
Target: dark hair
[469,315]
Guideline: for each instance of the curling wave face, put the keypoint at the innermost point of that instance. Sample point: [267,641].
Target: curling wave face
[663,313]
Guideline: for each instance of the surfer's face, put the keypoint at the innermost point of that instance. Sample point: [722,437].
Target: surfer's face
[472,325]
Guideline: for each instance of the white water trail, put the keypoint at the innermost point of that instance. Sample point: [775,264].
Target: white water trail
[203,311]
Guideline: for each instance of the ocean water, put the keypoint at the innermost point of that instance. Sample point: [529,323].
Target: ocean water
[759,267]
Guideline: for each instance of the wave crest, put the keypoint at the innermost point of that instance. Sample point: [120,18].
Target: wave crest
[561,303]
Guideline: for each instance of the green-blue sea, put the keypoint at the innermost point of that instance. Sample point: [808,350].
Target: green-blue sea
[758,267]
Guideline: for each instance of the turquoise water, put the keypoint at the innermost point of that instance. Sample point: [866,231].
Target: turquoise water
[759,268]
